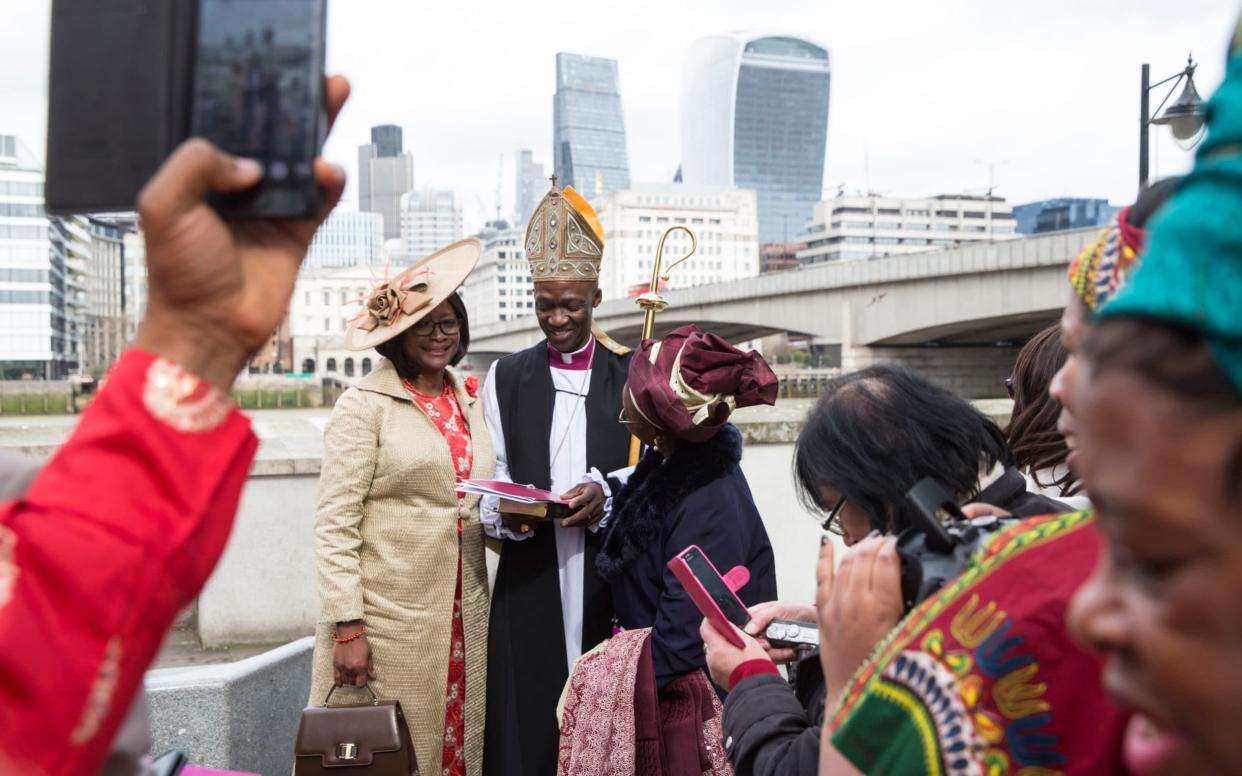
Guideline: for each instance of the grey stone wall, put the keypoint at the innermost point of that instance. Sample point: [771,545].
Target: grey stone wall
[970,372]
[239,716]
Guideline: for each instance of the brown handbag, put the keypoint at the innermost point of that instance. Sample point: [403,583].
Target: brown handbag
[361,738]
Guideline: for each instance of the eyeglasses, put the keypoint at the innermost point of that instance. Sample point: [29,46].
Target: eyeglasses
[1009,387]
[832,523]
[624,420]
[448,327]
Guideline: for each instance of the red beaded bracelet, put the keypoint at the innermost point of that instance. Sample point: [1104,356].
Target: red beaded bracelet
[348,639]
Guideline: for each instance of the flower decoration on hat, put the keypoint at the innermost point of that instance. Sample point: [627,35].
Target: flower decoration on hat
[388,302]
[397,304]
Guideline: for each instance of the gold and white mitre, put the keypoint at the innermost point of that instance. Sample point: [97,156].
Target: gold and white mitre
[564,239]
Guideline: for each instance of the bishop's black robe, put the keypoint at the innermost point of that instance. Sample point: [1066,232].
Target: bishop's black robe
[527,665]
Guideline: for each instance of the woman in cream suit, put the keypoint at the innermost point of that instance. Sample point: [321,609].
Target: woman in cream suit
[402,577]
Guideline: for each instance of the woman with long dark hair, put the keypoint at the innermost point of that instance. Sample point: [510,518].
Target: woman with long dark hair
[402,576]
[1038,448]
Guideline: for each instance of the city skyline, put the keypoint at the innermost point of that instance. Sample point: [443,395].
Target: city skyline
[1051,90]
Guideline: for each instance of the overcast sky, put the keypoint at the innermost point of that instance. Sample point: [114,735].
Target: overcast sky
[920,91]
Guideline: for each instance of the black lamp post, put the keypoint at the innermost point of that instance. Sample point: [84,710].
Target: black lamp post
[1184,117]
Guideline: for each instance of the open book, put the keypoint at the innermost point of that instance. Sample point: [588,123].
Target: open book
[519,499]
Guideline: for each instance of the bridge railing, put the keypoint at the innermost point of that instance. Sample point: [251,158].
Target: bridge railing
[805,385]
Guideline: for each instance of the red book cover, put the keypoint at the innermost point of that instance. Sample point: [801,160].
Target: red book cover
[526,494]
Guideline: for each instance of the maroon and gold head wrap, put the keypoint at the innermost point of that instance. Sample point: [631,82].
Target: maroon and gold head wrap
[689,383]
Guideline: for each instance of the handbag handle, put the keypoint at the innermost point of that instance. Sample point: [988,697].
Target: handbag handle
[367,687]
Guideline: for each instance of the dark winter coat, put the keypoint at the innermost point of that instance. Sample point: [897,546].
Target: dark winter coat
[697,496]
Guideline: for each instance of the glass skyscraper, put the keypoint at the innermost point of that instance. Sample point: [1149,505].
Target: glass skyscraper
[755,115]
[32,272]
[387,140]
[588,143]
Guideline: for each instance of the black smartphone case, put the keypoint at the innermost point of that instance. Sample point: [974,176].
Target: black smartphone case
[120,93]
[119,90]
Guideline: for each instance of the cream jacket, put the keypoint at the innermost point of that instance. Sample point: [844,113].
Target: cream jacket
[386,548]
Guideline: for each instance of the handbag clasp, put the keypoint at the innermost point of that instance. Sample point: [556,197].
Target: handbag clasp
[347,751]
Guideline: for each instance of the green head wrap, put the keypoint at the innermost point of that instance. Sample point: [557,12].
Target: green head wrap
[1191,273]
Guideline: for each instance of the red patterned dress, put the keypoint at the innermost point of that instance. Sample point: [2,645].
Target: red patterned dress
[446,414]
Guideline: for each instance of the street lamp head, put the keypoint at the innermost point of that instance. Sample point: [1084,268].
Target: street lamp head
[1185,116]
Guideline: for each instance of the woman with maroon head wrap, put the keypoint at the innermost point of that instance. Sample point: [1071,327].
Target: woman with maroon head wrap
[687,489]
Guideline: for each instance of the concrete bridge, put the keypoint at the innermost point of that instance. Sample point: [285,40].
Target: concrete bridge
[958,314]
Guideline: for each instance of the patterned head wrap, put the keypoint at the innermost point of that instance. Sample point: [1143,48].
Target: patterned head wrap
[1192,272]
[1099,271]
[689,383]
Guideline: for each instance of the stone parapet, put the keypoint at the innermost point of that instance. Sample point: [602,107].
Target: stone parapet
[239,716]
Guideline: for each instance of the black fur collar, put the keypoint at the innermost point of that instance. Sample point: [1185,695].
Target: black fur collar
[655,490]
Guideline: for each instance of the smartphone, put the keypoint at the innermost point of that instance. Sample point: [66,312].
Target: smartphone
[714,598]
[258,92]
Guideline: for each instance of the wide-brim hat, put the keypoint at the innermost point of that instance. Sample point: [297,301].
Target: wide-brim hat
[397,304]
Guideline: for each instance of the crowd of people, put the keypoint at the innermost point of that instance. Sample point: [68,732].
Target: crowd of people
[1096,630]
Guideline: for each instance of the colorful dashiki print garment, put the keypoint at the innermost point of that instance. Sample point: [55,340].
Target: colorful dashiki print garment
[983,678]
[446,414]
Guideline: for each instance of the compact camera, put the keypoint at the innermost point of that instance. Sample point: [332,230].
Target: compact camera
[789,633]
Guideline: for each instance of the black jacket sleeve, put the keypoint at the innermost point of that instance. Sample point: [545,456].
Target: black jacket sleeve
[767,732]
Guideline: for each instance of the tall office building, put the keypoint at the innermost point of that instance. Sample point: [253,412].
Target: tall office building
[135,281]
[346,239]
[754,114]
[33,328]
[387,139]
[865,227]
[103,334]
[722,218]
[500,287]
[385,173]
[325,300]
[532,184]
[430,220]
[588,142]
[1056,215]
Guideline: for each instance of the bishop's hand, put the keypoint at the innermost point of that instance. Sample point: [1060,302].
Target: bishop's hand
[586,505]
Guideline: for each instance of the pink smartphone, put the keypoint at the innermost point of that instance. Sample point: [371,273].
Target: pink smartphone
[715,599]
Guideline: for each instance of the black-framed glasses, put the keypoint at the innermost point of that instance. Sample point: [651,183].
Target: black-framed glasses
[1009,387]
[832,523]
[448,327]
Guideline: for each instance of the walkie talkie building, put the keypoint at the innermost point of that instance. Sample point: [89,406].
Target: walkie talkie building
[754,114]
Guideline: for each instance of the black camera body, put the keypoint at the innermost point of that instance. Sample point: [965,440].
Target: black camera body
[936,549]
